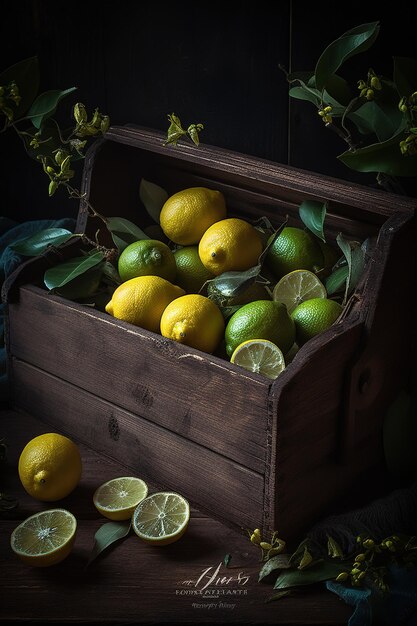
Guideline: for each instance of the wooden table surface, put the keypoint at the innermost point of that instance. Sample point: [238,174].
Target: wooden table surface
[133,582]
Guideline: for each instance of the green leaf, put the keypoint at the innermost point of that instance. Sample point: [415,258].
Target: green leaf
[153,198]
[337,280]
[313,213]
[106,535]
[306,559]
[280,561]
[231,284]
[337,92]
[301,93]
[279,595]
[381,116]
[226,560]
[85,285]
[45,105]
[175,130]
[62,274]
[352,42]
[355,257]
[324,570]
[26,76]
[37,243]
[124,232]
[333,548]
[382,157]
[405,75]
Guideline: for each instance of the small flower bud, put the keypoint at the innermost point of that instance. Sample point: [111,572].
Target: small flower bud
[361,84]
[53,186]
[50,169]
[256,536]
[376,83]
[342,576]
[274,551]
[59,156]
[369,94]
[369,543]
[80,114]
[328,109]
[355,571]
[360,558]
[265,545]
[105,123]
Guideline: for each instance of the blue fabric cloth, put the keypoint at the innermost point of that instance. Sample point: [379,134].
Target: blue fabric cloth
[10,232]
[397,608]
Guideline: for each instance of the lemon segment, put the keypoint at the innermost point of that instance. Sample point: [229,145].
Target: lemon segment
[296,287]
[260,356]
[45,538]
[162,518]
[116,499]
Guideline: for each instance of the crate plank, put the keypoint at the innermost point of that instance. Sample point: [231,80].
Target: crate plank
[169,460]
[170,384]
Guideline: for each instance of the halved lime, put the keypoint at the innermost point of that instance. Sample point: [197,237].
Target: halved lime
[161,518]
[260,356]
[298,286]
[118,498]
[45,538]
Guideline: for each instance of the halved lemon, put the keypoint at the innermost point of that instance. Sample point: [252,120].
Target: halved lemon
[45,538]
[118,498]
[161,518]
[260,356]
[296,287]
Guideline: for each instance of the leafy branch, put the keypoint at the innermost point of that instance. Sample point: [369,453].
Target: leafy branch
[377,118]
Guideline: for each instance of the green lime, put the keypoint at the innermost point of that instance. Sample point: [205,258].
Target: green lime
[191,273]
[294,249]
[147,257]
[261,319]
[313,317]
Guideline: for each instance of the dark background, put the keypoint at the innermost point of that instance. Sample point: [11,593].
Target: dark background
[212,63]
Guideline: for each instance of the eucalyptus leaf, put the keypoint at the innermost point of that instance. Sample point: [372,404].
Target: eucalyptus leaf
[61,274]
[45,105]
[352,42]
[337,280]
[405,75]
[324,570]
[40,241]
[313,213]
[108,534]
[124,232]
[26,76]
[153,198]
[280,561]
[382,157]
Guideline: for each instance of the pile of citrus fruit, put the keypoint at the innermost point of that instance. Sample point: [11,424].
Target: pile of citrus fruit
[170,287]
[50,469]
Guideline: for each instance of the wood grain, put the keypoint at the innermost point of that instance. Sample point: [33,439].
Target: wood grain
[133,582]
[172,385]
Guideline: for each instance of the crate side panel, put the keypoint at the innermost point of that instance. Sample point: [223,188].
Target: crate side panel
[175,387]
[171,462]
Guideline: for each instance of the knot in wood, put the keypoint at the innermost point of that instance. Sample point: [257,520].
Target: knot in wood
[114,429]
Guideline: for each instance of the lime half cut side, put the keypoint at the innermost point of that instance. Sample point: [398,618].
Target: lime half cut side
[161,518]
[45,538]
[298,286]
[260,356]
[117,498]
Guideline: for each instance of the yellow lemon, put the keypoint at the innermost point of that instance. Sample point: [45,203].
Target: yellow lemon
[230,244]
[313,317]
[191,273]
[142,300]
[187,214]
[147,257]
[45,538]
[195,321]
[50,467]
[262,319]
[162,518]
[294,249]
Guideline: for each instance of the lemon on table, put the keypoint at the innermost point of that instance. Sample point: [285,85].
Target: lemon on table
[142,300]
[50,467]
[261,319]
[229,245]
[294,249]
[118,498]
[260,356]
[313,317]
[195,321]
[191,273]
[162,518]
[147,257]
[45,538]
[187,214]
[296,287]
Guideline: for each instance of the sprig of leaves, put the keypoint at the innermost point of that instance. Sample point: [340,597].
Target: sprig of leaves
[176,131]
[377,118]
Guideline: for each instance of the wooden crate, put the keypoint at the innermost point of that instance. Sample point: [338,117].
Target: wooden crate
[250,451]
